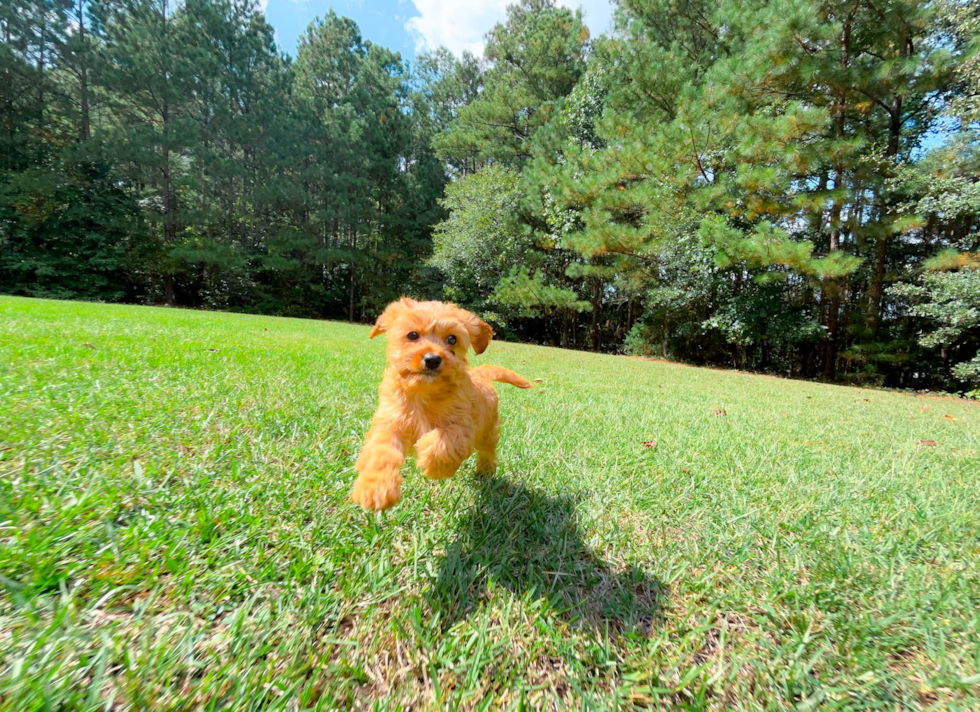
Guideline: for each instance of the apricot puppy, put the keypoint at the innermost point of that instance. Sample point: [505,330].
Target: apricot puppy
[431,401]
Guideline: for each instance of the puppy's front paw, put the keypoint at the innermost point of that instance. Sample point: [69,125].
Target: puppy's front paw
[376,493]
[433,458]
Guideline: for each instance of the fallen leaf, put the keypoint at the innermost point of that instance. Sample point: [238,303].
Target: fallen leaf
[89,346]
[649,443]
[214,351]
[927,443]
[684,470]
[949,417]
[867,400]
[539,380]
[720,412]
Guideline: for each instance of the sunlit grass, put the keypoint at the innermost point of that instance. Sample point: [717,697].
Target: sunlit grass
[175,532]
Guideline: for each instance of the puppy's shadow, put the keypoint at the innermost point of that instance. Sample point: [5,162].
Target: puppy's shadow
[530,543]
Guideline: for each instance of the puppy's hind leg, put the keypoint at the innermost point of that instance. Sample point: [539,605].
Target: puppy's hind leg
[379,481]
[486,448]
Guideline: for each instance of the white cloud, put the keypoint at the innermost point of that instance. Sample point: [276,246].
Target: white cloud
[462,24]
[454,24]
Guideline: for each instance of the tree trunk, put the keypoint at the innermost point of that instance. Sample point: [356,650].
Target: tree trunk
[85,129]
[6,160]
[881,252]
[596,308]
[832,288]
[351,309]
[40,81]
[169,202]
[895,127]
[169,206]
[877,285]
[169,193]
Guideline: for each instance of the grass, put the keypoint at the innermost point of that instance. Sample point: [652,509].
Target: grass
[175,532]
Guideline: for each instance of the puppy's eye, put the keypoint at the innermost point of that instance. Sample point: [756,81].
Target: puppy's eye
[451,339]
[413,335]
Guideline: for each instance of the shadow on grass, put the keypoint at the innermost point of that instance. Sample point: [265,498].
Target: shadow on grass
[530,543]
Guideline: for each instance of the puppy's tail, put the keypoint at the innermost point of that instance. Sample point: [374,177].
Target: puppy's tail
[501,374]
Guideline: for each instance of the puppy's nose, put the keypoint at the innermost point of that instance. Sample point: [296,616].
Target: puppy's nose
[432,361]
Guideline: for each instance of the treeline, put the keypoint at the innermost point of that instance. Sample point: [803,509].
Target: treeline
[168,152]
[790,186]
[729,182]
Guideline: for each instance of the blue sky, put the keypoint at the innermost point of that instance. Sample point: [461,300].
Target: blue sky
[410,26]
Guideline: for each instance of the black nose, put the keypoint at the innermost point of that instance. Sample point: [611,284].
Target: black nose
[432,361]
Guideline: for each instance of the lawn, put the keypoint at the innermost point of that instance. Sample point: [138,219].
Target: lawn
[175,532]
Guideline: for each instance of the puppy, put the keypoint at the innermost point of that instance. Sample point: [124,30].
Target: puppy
[431,401]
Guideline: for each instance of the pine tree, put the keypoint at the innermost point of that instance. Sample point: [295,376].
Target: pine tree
[153,57]
[536,57]
[780,120]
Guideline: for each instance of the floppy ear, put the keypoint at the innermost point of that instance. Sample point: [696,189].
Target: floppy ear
[480,333]
[388,316]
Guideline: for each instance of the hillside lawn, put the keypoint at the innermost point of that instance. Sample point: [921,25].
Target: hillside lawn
[175,532]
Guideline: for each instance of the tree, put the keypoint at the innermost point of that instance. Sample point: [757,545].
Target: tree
[152,63]
[536,58]
[771,135]
[482,239]
[372,179]
[942,191]
[70,234]
[67,230]
[946,296]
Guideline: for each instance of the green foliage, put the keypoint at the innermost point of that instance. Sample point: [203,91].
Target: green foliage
[482,237]
[533,296]
[68,233]
[769,246]
[942,300]
[232,178]
[500,219]
[371,178]
[961,22]
[536,57]
[772,137]
[949,301]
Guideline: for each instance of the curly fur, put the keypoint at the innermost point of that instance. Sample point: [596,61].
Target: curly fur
[442,415]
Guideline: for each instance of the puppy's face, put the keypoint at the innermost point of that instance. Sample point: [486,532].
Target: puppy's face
[428,341]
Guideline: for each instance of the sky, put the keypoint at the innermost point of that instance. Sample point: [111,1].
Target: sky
[413,26]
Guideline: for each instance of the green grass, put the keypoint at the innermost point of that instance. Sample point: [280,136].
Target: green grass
[175,532]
